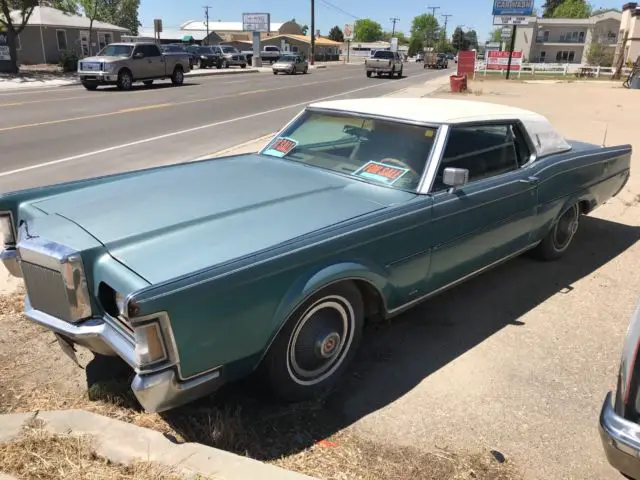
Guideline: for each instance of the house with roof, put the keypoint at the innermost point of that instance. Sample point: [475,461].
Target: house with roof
[174,35]
[566,40]
[326,50]
[49,32]
[629,36]
[229,31]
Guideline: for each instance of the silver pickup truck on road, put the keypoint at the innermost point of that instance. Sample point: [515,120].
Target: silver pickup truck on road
[123,64]
[384,62]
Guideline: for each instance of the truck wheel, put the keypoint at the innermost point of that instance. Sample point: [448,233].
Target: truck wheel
[225,64]
[369,74]
[148,83]
[125,80]
[177,78]
[244,65]
[90,86]
[400,73]
[316,344]
[559,238]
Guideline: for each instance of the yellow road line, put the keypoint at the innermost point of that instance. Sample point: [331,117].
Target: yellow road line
[145,107]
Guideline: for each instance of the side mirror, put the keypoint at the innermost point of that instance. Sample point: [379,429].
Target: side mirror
[138,55]
[455,177]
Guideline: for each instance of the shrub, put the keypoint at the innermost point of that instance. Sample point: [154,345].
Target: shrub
[68,61]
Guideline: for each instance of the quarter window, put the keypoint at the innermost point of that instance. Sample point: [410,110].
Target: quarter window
[484,150]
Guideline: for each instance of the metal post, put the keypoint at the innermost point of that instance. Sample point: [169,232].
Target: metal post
[313,33]
[513,42]
[348,49]
[206,16]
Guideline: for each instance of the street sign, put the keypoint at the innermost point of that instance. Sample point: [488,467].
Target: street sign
[348,31]
[256,22]
[513,7]
[500,60]
[511,20]
[157,25]
[505,33]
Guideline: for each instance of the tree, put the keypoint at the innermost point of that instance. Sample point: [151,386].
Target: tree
[459,40]
[549,7]
[123,13]
[573,9]
[67,6]
[415,45]
[305,29]
[427,28]
[367,30]
[336,34]
[496,35]
[600,11]
[13,25]
[402,38]
[472,38]
[93,10]
[599,53]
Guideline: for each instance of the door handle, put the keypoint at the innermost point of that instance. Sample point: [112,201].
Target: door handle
[530,180]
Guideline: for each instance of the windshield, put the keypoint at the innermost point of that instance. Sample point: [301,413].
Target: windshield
[377,151]
[288,58]
[172,48]
[383,54]
[204,50]
[116,51]
[229,50]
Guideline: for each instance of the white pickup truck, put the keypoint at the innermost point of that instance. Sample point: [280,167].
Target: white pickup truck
[384,62]
[269,53]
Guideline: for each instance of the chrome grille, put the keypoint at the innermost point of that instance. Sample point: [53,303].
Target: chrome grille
[46,290]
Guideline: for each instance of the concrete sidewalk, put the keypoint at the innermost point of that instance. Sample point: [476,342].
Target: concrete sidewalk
[125,443]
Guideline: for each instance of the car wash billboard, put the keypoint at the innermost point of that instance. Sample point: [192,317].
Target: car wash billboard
[512,7]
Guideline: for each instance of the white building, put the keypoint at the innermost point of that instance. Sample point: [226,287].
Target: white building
[629,36]
[566,40]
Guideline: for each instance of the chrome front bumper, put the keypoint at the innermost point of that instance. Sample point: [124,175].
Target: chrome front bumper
[10,260]
[620,439]
[97,77]
[156,391]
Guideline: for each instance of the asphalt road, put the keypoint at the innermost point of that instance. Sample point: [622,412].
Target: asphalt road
[54,135]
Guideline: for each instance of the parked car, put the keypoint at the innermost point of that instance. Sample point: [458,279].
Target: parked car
[209,57]
[270,53]
[620,413]
[420,57]
[230,56]
[290,64]
[384,62]
[436,60]
[123,64]
[356,210]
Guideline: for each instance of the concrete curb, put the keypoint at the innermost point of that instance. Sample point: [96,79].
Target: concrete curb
[123,442]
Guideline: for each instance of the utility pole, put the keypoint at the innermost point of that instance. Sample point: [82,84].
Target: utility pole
[206,16]
[313,32]
[433,10]
[393,29]
[446,20]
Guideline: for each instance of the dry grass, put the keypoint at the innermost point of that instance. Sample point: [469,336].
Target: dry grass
[38,454]
[307,438]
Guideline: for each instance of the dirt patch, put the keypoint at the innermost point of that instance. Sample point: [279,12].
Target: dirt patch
[38,454]
[308,438]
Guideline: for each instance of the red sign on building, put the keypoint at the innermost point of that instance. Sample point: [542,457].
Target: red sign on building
[466,63]
[499,60]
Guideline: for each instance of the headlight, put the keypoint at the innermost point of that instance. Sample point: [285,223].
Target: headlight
[149,344]
[110,67]
[203,57]
[6,230]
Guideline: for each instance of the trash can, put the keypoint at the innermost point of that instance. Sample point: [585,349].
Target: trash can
[634,82]
[458,83]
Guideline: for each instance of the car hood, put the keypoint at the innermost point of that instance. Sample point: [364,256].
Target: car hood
[103,59]
[172,221]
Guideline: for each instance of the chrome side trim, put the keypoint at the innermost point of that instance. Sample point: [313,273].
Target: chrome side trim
[406,306]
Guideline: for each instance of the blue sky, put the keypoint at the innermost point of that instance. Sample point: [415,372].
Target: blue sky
[470,13]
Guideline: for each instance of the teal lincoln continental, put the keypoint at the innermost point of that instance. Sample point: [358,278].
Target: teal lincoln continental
[200,273]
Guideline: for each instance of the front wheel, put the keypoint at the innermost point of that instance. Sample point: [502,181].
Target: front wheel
[559,238]
[125,80]
[368,74]
[316,344]
[305,71]
[177,78]
[244,65]
[90,86]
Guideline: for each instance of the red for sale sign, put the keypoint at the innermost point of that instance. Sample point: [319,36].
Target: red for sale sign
[500,60]
[466,63]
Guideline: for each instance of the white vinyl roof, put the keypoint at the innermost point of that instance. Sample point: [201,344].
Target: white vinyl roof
[222,26]
[50,17]
[444,111]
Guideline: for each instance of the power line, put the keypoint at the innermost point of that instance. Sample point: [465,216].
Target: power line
[335,7]
[394,20]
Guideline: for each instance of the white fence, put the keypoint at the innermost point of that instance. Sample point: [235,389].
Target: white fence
[562,69]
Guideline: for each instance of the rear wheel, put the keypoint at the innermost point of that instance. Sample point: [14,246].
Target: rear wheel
[244,65]
[275,73]
[316,344]
[177,77]
[306,70]
[559,238]
[369,74]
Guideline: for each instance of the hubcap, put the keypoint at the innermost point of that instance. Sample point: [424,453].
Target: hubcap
[179,76]
[320,340]
[566,228]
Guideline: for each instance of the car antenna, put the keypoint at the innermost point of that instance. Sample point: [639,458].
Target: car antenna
[606,129]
